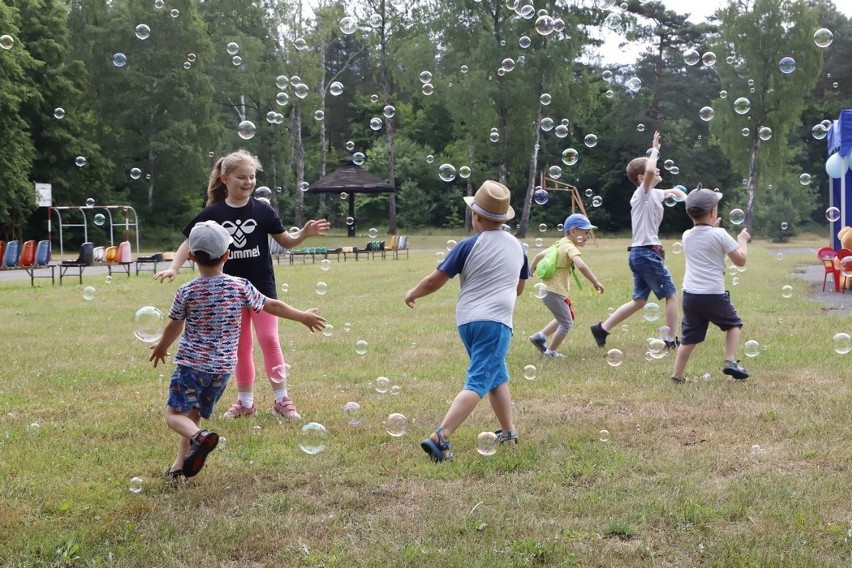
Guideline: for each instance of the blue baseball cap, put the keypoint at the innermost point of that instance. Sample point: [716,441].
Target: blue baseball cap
[577,221]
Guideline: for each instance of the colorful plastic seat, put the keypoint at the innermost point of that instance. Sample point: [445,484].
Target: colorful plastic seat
[11,254]
[827,255]
[42,256]
[28,250]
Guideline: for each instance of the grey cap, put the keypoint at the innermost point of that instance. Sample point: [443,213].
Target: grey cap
[701,201]
[209,237]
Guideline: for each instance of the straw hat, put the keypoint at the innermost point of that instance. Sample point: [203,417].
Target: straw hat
[492,202]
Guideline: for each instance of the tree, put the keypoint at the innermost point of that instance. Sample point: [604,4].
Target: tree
[764,102]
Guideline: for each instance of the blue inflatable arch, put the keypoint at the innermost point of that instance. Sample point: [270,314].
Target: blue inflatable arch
[838,165]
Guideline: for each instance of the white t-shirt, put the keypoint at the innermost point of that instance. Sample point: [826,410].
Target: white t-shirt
[705,248]
[646,214]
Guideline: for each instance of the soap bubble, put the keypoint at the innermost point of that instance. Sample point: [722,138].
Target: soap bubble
[507,64]
[634,84]
[348,25]
[425,77]
[319,115]
[135,173]
[614,357]
[530,373]
[542,227]
[395,424]
[805,179]
[233,48]
[285,287]
[486,443]
[89,293]
[597,201]
[450,244]
[246,130]
[347,327]
[119,59]
[540,196]
[108,279]
[842,343]
[745,131]
[300,90]
[751,348]
[591,140]
[823,37]
[787,65]
[322,288]
[691,56]
[99,219]
[282,98]
[373,232]
[7,41]
[607,75]
[640,127]
[382,385]
[765,133]
[136,483]
[545,99]
[336,88]
[651,311]
[708,59]
[325,264]
[787,291]
[59,113]
[742,105]
[352,410]
[328,330]
[464,172]
[376,123]
[447,172]
[561,131]
[389,111]
[540,290]
[819,132]
[427,89]
[544,25]
[358,158]
[677,247]
[147,324]
[312,438]
[278,373]
[603,435]
[613,21]
[723,94]
[832,214]
[282,82]
[142,31]
[736,216]
[570,156]
[554,172]
[361,347]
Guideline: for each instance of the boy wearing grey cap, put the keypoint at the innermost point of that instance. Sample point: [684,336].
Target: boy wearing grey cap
[705,299]
[208,311]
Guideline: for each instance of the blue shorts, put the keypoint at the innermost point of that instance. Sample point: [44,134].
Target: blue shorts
[196,389]
[700,310]
[487,344]
[650,274]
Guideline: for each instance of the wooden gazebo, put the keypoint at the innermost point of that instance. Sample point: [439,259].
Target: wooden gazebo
[350,178]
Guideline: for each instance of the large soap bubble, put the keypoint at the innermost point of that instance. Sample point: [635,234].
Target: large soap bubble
[148,324]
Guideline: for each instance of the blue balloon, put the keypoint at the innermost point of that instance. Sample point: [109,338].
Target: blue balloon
[835,166]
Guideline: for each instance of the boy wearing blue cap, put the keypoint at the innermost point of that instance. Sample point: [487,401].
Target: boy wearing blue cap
[577,231]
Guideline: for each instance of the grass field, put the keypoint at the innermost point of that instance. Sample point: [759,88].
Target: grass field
[710,473]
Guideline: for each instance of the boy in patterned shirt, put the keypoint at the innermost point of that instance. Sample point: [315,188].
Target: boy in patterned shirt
[208,311]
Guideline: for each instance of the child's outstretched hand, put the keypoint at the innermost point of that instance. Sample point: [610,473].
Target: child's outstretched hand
[158,354]
[599,287]
[656,143]
[744,236]
[315,228]
[313,320]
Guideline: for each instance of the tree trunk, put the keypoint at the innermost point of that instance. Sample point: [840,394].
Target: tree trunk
[503,166]
[752,177]
[299,149]
[387,87]
[528,196]
[468,221]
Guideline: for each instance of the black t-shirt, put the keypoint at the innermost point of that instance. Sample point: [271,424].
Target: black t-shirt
[249,226]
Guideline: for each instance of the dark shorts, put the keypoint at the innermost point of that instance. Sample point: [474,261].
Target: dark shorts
[700,310]
[487,344]
[650,274]
[196,389]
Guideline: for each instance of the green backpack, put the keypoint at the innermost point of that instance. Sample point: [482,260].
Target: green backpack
[546,267]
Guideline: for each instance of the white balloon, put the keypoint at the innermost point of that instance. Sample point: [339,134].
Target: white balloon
[835,166]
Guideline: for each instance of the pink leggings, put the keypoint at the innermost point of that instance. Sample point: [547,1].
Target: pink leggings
[266,328]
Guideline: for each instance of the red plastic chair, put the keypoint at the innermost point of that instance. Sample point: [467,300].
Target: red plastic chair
[844,267]
[27,253]
[826,256]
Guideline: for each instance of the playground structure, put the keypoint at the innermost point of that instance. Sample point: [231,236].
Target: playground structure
[549,184]
[131,221]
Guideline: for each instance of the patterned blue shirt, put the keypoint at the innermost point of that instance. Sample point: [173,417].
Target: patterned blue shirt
[212,308]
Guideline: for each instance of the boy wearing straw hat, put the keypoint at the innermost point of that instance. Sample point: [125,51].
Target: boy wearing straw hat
[493,270]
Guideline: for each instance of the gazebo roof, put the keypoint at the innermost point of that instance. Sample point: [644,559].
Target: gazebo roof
[350,178]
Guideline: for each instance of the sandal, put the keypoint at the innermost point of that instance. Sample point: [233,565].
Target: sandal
[175,476]
[201,444]
[507,438]
[436,449]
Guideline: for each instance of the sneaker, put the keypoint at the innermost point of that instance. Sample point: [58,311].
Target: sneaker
[201,444]
[672,344]
[539,341]
[237,410]
[507,438]
[553,355]
[599,334]
[286,409]
[734,370]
